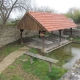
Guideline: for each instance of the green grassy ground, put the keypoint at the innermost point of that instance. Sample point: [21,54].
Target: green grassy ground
[55,55]
[34,50]
[40,69]
[21,69]
[76,39]
[6,50]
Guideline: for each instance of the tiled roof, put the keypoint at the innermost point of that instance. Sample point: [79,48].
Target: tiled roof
[52,21]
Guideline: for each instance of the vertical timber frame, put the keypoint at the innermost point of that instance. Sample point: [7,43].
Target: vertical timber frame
[71,32]
[39,33]
[43,39]
[60,35]
[21,30]
[43,42]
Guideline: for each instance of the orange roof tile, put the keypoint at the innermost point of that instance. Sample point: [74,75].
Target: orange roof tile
[52,21]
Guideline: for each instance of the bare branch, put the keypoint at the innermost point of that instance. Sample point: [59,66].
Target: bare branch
[7,6]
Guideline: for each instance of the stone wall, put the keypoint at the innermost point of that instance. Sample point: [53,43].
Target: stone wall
[11,33]
[76,32]
[57,32]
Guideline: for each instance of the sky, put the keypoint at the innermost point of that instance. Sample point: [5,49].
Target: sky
[61,6]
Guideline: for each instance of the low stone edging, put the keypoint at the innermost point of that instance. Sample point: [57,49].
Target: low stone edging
[73,73]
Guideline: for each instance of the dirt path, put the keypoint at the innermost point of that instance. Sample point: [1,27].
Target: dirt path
[11,58]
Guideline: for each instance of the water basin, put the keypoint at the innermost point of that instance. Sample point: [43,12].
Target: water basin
[67,55]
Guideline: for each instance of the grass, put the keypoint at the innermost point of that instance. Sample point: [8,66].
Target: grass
[34,50]
[9,48]
[40,69]
[61,56]
[16,72]
[15,77]
[76,39]
[6,50]
[11,67]
[21,69]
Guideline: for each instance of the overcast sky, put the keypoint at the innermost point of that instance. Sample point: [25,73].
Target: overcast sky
[61,6]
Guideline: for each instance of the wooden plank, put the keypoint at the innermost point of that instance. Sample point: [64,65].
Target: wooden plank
[41,57]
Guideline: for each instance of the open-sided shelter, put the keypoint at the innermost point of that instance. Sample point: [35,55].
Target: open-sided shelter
[42,21]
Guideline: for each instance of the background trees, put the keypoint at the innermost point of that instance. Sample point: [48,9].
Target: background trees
[7,6]
[74,14]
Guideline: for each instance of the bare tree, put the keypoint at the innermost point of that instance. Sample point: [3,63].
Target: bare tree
[7,6]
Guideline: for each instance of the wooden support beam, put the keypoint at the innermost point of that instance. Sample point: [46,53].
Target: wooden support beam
[60,35]
[21,30]
[43,43]
[71,32]
[42,33]
[50,66]
[39,33]
[31,59]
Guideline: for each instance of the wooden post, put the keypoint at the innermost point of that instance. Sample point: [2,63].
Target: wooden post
[50,66]
[39,33]
[60,35]
[42,35]
[31,59]
[71,32]
[51,32]
[43,42]
[21,30]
